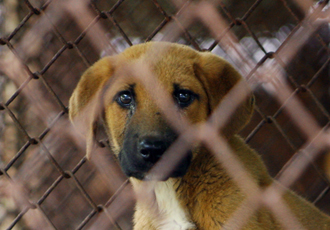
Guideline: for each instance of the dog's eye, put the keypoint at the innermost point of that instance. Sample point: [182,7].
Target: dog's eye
[184,98]
[125,98]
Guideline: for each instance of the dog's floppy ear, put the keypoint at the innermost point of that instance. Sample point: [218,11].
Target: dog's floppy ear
[85,106]
[218,78]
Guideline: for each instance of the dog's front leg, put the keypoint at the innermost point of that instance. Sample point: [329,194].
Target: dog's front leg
[142,221]
[145,220]
[143,226]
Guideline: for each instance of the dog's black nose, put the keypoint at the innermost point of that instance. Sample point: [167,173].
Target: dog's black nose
[152,149]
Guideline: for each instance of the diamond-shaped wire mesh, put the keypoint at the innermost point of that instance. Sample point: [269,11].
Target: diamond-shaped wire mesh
[46,182]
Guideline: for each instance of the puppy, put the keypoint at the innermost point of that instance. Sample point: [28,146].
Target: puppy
[198,193]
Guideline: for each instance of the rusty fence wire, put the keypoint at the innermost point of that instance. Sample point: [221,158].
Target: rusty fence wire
[280,47]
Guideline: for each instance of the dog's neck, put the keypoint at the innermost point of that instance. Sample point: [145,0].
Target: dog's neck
[164,208]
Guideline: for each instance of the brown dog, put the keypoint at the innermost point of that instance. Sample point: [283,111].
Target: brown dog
[198,193]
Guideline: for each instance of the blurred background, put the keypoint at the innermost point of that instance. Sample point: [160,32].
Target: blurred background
[45,46]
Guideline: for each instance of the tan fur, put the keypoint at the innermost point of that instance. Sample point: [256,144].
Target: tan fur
[206,196]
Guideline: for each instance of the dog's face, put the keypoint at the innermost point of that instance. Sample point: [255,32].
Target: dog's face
[141,135]
[137,129]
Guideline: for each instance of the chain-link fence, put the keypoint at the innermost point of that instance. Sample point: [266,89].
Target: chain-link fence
[280,47]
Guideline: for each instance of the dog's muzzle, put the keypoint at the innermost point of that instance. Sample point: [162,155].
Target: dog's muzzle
[139,155]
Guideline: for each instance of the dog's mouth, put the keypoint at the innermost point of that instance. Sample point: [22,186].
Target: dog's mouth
[179,170]
[140,169]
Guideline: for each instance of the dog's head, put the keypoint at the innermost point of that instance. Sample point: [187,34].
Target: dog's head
[138,132]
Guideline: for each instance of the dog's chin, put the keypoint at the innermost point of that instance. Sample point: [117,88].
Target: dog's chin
[142,170]
[151,177]
[156,177]
[159,177]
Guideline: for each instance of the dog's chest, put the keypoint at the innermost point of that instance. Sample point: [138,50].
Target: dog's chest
[171,214]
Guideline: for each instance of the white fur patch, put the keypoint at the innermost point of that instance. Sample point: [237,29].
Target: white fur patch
[171,214]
